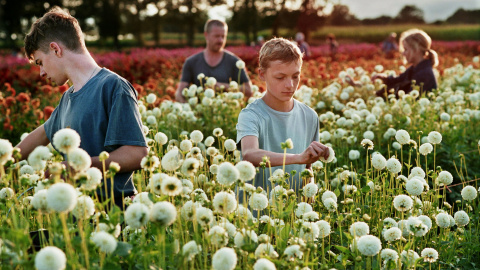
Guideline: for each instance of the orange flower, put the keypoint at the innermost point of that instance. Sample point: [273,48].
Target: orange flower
[47,89]
[62,88]
[171,91]
[47,111]
[25,108]
[39,114]
[35,103]
[23,98]
[138,87]
[9,101]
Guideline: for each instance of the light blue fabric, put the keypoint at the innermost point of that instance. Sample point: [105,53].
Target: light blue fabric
[105,114]
[272,127]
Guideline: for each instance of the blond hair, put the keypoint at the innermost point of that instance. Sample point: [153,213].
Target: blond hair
[420,41]
[56,25]
[279,49]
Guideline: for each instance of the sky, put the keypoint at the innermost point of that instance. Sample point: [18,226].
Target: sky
[433,9]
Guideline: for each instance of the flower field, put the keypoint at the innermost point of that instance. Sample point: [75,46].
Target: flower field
[399,192]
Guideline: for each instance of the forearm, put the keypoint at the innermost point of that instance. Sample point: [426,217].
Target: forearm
[35,138]
[246,88]
[127,156]
[255,156]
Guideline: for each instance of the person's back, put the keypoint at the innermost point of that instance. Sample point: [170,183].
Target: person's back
[264,125]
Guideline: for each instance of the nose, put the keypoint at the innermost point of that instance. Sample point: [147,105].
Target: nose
[289,83]
[42,72]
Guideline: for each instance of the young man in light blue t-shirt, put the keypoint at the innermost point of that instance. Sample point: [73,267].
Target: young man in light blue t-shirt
[267,122]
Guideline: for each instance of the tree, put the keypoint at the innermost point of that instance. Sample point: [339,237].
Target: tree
[410,14]
[465,16]
[341,16]
[311,17]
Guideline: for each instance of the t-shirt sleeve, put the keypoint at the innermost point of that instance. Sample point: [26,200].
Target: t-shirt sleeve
[187,75]
[124,121]
[316,136]
[247,125]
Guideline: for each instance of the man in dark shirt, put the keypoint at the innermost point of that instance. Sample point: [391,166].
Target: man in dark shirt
[214,61]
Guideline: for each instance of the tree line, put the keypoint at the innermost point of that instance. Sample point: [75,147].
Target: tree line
[108,19]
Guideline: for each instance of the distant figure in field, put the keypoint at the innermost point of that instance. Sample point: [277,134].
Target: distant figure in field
[415,47]
[302,44]
[332,45]
[389,45]
[214,62]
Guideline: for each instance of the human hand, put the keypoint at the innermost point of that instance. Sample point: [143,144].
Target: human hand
[179,97]
[313,152]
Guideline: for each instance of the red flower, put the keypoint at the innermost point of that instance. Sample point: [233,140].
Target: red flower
[9,101]
[22,97]
[47,111]
[62,88]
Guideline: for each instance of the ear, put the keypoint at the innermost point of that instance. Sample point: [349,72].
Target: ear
[261,74]
[56,49]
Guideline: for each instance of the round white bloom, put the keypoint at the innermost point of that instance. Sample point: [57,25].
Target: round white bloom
[303,208]
[204,216]
[104,241]
[190,249]
[429,255]
[171,160]
[50,258]
[151,98]
[230,145]
[409,257]
[392,234]
[293,252]
[66,140]
[434,137]
[469,193]
[186,145]
[26,169]
[6,150]
[224,202]
[389,255]
[217,132]
[209,93]
[38,157]
[265,250]
[196,136]
[443,220]
[310,190]
[369,135]
[396,145]
[331,156]
[402,203]
[426,149]
[324,228]
[445,116]
[246,170]
[309,231]
[330,204]
[402,136]
[378,161]
[461,218]
[354,154]
[328,194]
[190,167]
[389,223]
[426,220]
[209,141]
[79,159]
[227,174]
[95,178]
[264,264]
[369,245]
[417,172]
[245,237]
[6,193]
[143,198]
[137,215]
[218,235]
[240,64]
[39,200]
[161,138]
[393,165]
[163,213]
[414,186]
[445,178]
[171,186]
[224,259]
[359,228]
[61,197]
[258,201]
[84,208]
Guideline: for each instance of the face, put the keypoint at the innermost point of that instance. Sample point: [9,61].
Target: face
[412,56]
[216,38]
[282,79]
[49,68]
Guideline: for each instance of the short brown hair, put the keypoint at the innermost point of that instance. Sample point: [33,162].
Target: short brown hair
[210,23]
[56,25]
[279,49]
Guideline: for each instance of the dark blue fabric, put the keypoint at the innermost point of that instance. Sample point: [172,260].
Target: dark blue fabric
[105,114]
[224,72]
[422,73]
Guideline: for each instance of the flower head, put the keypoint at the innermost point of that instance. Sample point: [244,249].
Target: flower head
[402,136]
[104,241]
[258,201]
[224,259]
[469,193]
[79,159]
[429,255]
[6,150]
[61,197]
[137,215]
[84,208]
[66,140]
[402,203]
[50,258]
[369,245]
[264,264]
[227,174]
[434,137]
[224,202]
[246,170]
[164,213]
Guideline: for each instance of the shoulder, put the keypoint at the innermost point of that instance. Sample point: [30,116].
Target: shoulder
[115,84]
[305,108]
[230,55]
[196,57]
[253,110]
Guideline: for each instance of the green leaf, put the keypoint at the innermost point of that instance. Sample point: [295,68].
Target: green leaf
[123,249]
[343,249]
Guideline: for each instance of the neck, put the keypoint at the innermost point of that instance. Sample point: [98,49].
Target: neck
[276,104]
[80,69]
[213,53]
